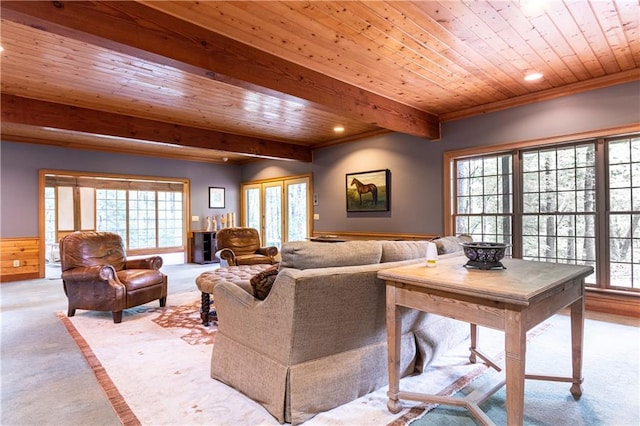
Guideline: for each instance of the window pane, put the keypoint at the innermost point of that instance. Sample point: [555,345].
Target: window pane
[555,229]
[169,219]
[111,211]
[485,198]
[142,219]
[624,219]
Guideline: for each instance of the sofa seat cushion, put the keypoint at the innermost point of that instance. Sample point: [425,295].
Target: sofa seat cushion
[135,279]
[311,255]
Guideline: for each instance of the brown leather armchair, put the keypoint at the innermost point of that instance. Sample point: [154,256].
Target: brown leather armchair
[97,276]
[241,246]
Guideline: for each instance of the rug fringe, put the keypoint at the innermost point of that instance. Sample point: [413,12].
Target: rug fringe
[117,401]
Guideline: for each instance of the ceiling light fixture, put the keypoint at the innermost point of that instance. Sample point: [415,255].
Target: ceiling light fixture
[532,76]
[338,129]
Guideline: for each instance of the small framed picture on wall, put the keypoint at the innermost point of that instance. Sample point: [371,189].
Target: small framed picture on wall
[216,197]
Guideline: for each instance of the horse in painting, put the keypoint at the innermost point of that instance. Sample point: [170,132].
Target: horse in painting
[364,188]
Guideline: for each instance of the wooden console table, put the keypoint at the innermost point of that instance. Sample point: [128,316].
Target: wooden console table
[513,300]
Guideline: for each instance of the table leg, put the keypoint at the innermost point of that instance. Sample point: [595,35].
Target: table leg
[515,360]
[474,343]
[205,306]
[577,337]
[393,347]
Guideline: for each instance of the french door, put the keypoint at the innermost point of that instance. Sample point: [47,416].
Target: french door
[280,209]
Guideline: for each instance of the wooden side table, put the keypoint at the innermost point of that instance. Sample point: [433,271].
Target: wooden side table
[203,247]
[513,300]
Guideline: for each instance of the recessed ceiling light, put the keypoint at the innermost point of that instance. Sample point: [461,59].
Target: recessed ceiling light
[338,129]
[532,76]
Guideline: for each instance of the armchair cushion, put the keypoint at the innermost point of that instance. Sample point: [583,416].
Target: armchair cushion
[241,246]
[135,279]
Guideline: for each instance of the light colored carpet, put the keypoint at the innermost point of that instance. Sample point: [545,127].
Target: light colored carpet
[611,371]
[155,368]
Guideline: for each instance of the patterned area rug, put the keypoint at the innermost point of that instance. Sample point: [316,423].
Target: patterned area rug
[154,368]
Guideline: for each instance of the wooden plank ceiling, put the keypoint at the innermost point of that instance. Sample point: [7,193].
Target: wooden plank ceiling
[238,81]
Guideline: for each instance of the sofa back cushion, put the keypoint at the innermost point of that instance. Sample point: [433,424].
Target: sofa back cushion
[393,251]
[310,254]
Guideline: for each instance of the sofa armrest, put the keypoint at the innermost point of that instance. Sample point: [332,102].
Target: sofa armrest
[271,251]
[265,326]
[227,255]
[153,262]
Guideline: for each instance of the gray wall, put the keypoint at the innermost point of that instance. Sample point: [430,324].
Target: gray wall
[20,162]
[416,164]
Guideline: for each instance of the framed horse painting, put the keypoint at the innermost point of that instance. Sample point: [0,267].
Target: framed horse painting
[368,191]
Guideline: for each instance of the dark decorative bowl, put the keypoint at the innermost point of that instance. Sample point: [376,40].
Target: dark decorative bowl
[484,255]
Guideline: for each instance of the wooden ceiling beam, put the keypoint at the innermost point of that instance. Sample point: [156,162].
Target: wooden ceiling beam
[16,109]
[142,31]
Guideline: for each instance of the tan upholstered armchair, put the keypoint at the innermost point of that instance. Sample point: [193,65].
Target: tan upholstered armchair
[241,246]
[97,276]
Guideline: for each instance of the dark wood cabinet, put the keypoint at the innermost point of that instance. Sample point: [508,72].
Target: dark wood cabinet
[203,247]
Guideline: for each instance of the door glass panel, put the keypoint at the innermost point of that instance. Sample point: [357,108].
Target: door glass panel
[273,216]
[50,216]
[66,219]
[252,208]
[87,209]
[279,209]
[297,219]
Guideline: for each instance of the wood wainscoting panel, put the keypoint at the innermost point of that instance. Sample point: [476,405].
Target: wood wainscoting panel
[627,305]
[25,253]
[348,235]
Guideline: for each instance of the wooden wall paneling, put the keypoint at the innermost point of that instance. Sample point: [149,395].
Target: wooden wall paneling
[24,251]
[349,235]
[618,304]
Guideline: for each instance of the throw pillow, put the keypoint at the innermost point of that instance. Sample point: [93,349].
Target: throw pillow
[451,244]
[262,282]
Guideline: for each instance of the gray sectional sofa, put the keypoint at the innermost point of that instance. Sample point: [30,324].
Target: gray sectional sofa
[318,340]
